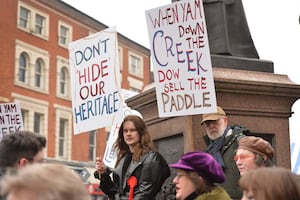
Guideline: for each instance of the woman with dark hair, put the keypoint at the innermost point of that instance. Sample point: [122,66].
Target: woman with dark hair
[136,160]
[269,183]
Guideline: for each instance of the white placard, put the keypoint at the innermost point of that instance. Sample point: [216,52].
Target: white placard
[10,118]
[95,81]
[181,59]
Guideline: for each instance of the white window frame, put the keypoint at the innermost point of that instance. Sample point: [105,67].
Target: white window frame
[39,74]
[135,83]
[68,36]
[120,51]
[41,119]
[62,62]
[31,26]
[139,68]
[63,112]
[93,146]
[33,54]
[24,68]
[26,20]
[30,106]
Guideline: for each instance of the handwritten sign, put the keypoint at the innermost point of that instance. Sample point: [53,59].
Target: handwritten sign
[181,59]
[10,118]
[110,154]
[95,81]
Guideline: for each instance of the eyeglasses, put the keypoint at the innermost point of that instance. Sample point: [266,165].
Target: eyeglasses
[178,176]
[242,157]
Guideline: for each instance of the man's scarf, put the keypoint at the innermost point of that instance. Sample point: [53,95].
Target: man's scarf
[215,146]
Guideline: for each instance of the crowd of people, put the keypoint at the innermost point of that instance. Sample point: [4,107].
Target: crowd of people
[24,175]
[235,165]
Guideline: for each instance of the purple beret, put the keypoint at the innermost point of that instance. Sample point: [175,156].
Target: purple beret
[203,164]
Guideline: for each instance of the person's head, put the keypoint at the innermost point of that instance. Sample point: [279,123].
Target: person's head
[215,123]
[253,152]
[44,182]
[196,172]
[20,148]
[133,136]
[270,183]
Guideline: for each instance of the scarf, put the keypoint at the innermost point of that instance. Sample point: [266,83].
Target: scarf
[215,146]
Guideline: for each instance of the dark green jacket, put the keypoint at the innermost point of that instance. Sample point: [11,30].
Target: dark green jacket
[216,194]
[230,169]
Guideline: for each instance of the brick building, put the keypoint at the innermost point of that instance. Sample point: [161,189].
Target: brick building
[34,70]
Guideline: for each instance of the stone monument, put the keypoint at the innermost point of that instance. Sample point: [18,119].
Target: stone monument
[246,87]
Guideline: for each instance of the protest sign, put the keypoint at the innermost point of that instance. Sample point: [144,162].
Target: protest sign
[95,81]
[10,118]
[181,59]
[110,154]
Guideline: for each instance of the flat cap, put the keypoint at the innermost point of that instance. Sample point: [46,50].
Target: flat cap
[213,116]
[257,145]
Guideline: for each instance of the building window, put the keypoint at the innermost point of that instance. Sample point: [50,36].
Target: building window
[135,66]
[25,114]
[120,52]
[39,24]
[22,67]
[63,129]
[34,113]
[64,34]
[33,20]
[63,39]
[62,135]
[92,145]
[134,90]
[135,85]
[37,120]
[24,18]
[38,73]
[32,72]
[63,78]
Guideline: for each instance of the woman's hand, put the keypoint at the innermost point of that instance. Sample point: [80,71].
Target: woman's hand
[100,166]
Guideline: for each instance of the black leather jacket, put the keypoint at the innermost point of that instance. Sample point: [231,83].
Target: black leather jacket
[2,173]
[151,172]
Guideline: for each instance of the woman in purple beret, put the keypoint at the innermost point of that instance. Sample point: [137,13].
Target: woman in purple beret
[198,176]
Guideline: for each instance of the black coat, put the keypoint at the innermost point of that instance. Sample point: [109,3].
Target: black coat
[151,172]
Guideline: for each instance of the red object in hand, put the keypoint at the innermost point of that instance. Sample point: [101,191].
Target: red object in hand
[132,181]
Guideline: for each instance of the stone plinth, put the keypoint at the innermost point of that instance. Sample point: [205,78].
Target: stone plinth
[260,101]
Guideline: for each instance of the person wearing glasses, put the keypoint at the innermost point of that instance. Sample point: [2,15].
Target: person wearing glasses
[198,178]
[253,152]
[222,142]
[19,149]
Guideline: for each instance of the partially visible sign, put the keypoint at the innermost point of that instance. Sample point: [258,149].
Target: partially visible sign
[10,118]
[295,157]
[110,154]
